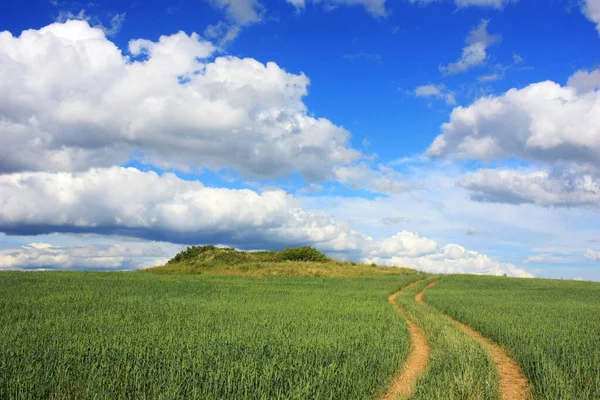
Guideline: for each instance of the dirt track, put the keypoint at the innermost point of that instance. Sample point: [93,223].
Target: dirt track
[404,382]
[513,384]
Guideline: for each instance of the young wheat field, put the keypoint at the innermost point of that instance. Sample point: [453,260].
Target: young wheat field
[221,324]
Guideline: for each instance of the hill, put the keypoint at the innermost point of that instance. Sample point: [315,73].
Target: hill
[299,261]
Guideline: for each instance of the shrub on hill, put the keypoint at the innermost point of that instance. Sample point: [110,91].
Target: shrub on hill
[191,253]
[224,255]
[305,253]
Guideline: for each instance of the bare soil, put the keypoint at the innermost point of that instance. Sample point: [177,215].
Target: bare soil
[404,382]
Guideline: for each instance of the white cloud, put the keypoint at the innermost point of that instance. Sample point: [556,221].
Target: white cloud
[585,81]
[70,100]
[374,7]
[475,52]
[508,232]
[453,259]
[299,4]
[143,204]
[560,187]
[436,91]
[116,21]
[542,122]
[592,255]
[129,202]
[222,32]
[242,12]
[591,9]
[499,4]
[546,258]
[116,256]
[380,180]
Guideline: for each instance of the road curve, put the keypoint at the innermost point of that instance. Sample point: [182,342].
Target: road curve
[405,379]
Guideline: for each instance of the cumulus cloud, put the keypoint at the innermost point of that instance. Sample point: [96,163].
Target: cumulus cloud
[46,256]
[475,52]
[543,122]
[453,259]
[129,202]
[559,187]
[374,7]
[71,100]
[591,9]
[146,205]
[436,91]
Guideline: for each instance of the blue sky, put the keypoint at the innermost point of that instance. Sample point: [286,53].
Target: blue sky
[452,136]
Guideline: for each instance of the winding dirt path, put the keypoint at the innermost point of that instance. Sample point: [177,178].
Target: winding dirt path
[513,384]
[404,382]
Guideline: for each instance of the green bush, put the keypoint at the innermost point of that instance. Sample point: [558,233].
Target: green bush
[305,253]
[225,255]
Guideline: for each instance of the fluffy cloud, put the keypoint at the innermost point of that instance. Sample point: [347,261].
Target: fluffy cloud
[475,52]
[436,91]
[591,9]
[129,202]
[543,122]
[71,100]
[560,187]
[453,258]
[46,256]
[143,204]
[373,7]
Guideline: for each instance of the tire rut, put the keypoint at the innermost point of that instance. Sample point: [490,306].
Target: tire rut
[405,379]
[513,383]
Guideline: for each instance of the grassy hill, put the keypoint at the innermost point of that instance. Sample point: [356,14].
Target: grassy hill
[299,261]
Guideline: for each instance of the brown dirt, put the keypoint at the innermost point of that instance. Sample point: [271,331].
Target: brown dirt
[404,382]
[513,384]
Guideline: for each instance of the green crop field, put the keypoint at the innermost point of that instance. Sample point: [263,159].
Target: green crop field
[216,323]
[552,328]
[139,335]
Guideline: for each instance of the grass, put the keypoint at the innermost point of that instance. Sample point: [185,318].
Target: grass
[216,323]
[552,328]
[459,368]
[152,336]
[303,261]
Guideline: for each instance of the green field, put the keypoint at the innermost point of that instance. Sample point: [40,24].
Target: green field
[221,324]
[552,328]
[141,335]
